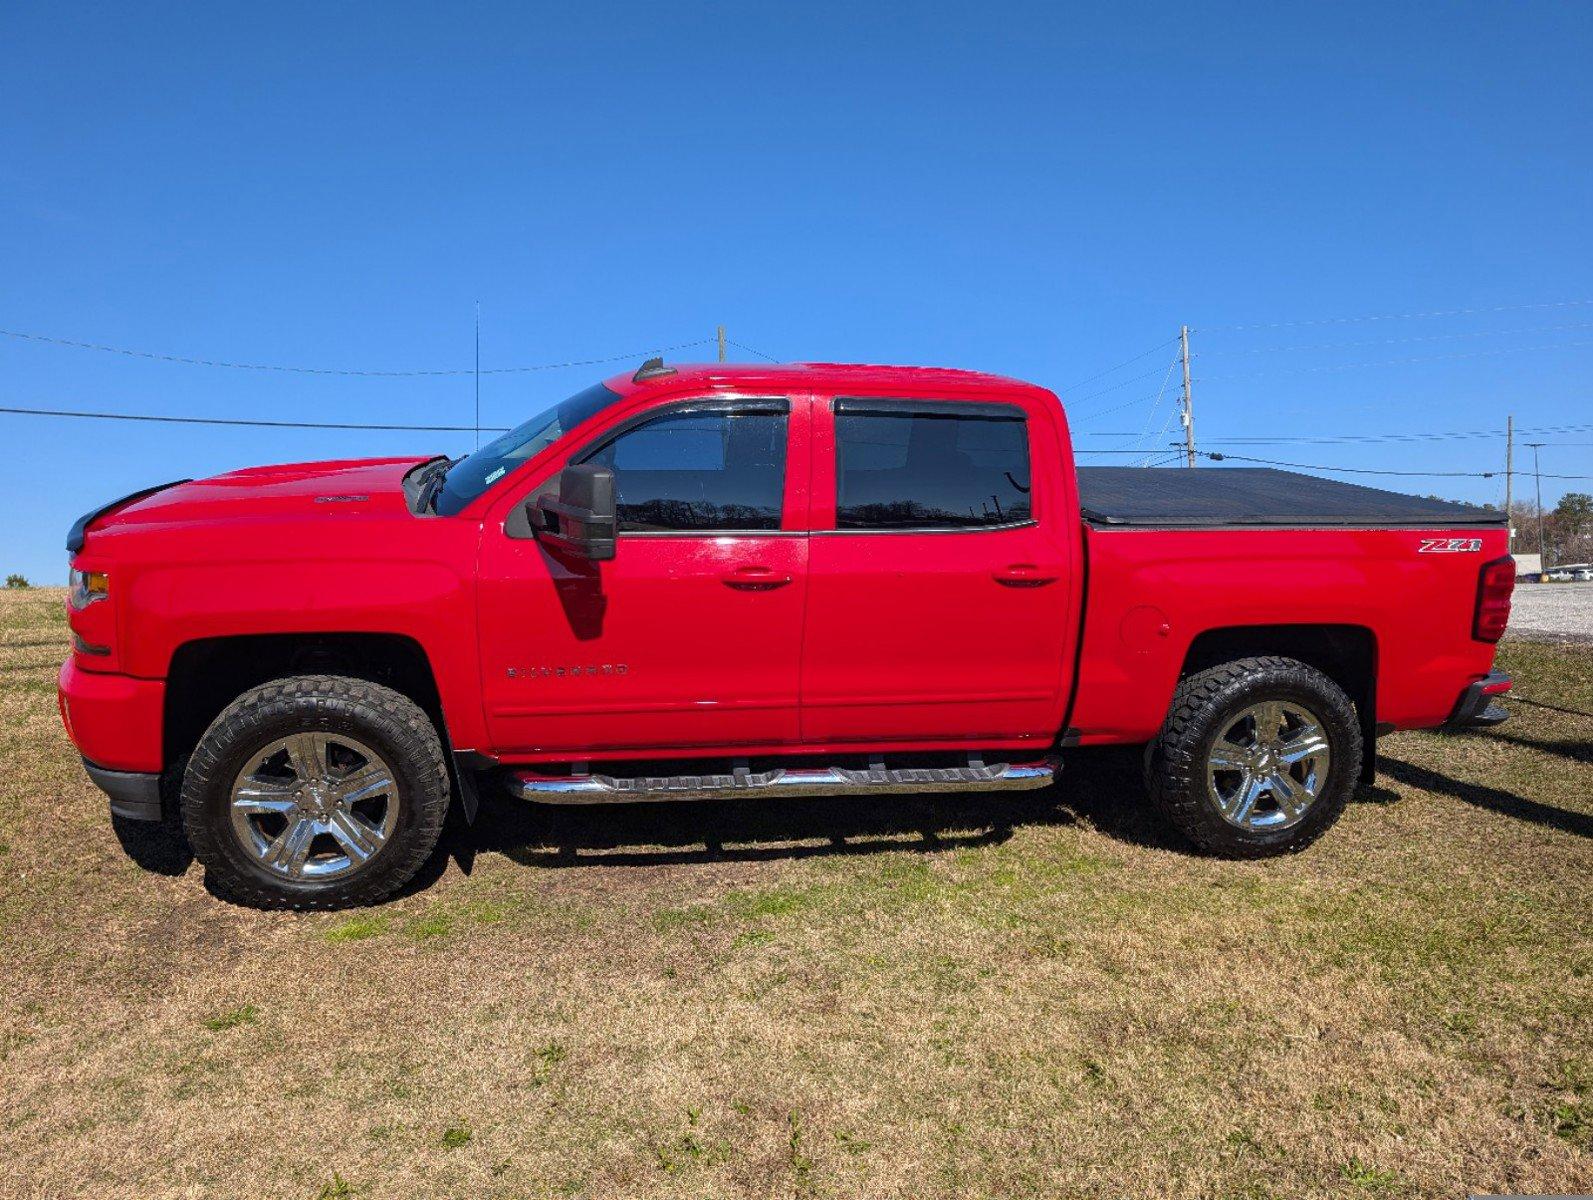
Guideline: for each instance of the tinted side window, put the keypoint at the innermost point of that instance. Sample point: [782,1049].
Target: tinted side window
[705,470]
[918,470]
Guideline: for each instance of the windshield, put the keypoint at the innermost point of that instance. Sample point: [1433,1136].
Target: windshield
[471,476]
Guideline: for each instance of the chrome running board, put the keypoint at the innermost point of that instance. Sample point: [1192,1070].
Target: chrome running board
[782,782]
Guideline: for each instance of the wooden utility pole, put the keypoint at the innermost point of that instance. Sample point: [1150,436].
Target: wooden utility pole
[478,374]
[1188,401]
[721,343]
[1510,469]
[1543,557]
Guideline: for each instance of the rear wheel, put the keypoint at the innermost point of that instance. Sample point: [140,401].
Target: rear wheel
[1257,757]
[315,792]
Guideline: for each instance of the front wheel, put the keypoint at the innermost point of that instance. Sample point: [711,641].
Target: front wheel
[317,791]
[1257,757]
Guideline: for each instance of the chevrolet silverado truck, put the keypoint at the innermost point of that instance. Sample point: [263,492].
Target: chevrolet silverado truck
[712,581]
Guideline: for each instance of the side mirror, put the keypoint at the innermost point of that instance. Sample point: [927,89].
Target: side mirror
[582,520]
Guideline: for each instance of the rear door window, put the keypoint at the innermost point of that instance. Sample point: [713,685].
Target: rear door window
[904,464]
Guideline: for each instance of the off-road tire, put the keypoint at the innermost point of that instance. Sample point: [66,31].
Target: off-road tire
[1203,707]
[388,722]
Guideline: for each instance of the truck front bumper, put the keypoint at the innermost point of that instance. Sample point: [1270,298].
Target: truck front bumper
[1476,706]
[115,722]
[134,795]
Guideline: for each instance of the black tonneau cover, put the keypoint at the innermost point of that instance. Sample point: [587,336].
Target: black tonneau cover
[1177,498]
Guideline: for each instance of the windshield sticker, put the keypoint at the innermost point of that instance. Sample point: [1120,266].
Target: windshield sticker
[496,475]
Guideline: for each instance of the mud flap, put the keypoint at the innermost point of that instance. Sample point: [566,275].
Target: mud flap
[462,766]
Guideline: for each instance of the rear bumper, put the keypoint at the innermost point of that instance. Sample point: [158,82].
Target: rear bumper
[1477,705]
[134,794]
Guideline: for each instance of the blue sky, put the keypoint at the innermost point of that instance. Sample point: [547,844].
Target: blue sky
[1039,190]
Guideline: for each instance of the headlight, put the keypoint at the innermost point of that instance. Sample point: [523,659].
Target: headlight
[85,587]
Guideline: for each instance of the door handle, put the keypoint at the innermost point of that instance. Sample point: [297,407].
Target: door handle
[754,579]
[1024,575]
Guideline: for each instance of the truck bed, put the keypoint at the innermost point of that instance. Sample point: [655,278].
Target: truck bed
[1258,497]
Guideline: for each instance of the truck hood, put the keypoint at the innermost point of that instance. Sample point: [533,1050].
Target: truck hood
[345,488]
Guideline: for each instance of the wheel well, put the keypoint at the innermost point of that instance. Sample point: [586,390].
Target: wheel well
[209,674]
[1346,654]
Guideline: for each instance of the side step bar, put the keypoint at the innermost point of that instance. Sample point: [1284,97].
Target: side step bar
[783,782]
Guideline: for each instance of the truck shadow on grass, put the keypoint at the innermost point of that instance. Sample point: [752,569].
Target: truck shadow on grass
[1493,799]
[157,846]
[1099,788]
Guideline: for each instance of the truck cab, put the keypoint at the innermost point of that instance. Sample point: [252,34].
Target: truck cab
[751,581]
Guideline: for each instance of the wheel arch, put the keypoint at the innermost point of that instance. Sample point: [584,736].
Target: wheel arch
[207,674]
[1346,654]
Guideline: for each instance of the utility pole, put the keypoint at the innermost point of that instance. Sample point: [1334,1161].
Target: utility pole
[478,374]
[1542,555]
[1510,469]
[1188,406]
[721,343]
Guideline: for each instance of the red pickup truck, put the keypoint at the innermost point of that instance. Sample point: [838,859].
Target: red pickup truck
[754,581]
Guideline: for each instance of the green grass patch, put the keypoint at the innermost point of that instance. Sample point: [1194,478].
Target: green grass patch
[357,928]
[432,925]
[337,1188]
[1365,1175]
[245,1014]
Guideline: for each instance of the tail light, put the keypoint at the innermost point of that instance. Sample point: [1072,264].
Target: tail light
[1494,585]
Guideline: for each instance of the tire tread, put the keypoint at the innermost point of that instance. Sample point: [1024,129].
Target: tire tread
[405,724]
[1177,787]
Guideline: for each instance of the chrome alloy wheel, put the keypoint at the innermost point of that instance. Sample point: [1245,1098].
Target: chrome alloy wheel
[1268,766]
[314,806]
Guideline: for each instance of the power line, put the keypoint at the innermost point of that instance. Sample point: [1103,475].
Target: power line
[1374,438]
[236,366]
[1409,316]
[1223,457]
[1101,412]
[1166,425]
[250,422]
[1356,439]
[1126,362]
[1432,337]
[1122,383]
[357,425]
[1220,457]
[1397,362]
[750,350]
[1150,413]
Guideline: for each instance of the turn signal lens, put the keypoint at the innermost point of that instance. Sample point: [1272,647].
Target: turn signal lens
[1494,585]
[85,587]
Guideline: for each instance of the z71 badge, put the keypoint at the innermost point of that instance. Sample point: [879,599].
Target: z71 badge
[1450,546]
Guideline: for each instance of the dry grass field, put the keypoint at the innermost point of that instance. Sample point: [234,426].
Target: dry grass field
[919,998]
